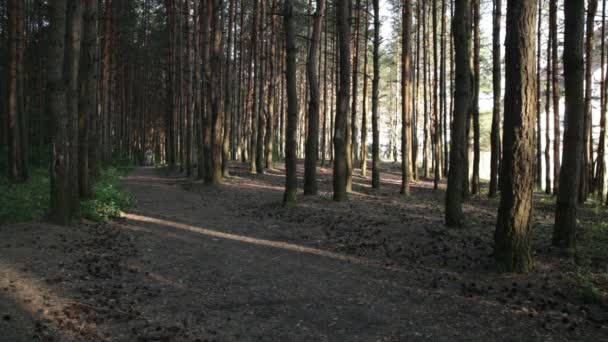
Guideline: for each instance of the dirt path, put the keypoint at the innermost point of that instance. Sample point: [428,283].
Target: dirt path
[195,263]
[257,291]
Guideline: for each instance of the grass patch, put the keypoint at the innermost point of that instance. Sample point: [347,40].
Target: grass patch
[27,201]
[107,198]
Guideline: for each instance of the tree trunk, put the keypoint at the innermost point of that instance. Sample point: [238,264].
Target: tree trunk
[511,249]
[406,91]
[555,86]
[291,180]
[375,98]
[60,205]
[475,106]
[587,165]
[601,165]
[564,233]
[462,101]
[548,182]
[539,164]
[365,88]
[436,119]
[341,138]
[215,86]
[312,139]
[496,86]
[15,164]
[88,98]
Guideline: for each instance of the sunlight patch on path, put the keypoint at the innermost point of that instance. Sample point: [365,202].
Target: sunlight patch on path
[255,241]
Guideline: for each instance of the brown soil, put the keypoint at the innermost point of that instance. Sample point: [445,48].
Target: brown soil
[192,262]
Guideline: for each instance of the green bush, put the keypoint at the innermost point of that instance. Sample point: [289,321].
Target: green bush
[107,198]
[27,201]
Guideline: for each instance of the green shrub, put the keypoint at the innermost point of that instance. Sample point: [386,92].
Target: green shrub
[107,198]
[27,201]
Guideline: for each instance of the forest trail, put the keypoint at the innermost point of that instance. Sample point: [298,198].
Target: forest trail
[191,262]
[241,288]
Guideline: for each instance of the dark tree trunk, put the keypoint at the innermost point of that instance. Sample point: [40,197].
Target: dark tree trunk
[88,98]
[341,138]
[291,180]
[365,93]
[60,205]
[539,164]
[375,98]
[462,101]
[564,233]
[496,85]
[406,91]
[601,165]
[512,241]
[312,139]
[548,183]
[475,105]
[555,86]
[587,163]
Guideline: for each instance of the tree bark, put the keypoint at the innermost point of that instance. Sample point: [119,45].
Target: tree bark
[462,101]
[511,243]
[291,180]
[341,138]
[497,88]
[555,88]
[564,233]
[312,139]
[406,91]
[587,165]
[475,106]
[60,205]
[375,98]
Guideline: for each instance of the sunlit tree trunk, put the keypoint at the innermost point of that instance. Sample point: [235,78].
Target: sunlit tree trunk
[512,241]
[462,102]
[406,91]
[497,88]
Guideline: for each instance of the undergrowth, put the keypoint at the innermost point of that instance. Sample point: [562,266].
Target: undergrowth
[107,198]
[29,201]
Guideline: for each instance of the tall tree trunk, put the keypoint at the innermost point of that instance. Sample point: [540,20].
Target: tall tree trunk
[312,139]
[15,35]
[497,88]
[475,106]
[365,88]
[375,98]
[88,98]
[587,165]
[564,233]
[291,180]
[601,165]
[555,86]
[71,74]
[436,119]
[355,84]
[60,205]
[462,102]
[216,110]
[548,182]
[406,91]
[511,239]
[539,164]
[341,138]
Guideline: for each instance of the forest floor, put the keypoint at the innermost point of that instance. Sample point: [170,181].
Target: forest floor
[191,262]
